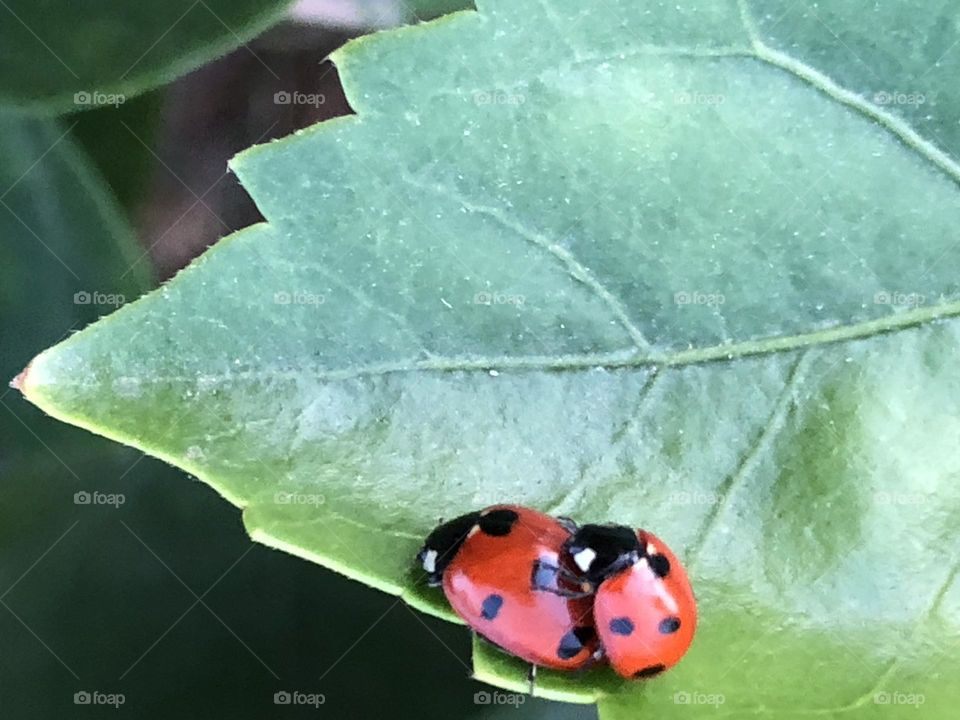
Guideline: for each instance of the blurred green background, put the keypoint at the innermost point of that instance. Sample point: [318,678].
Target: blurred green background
[163,598]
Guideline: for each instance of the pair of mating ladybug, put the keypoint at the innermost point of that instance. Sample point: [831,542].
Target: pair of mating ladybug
[563,596]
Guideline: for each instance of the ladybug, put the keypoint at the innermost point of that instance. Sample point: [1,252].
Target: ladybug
[504,572]
[644,609]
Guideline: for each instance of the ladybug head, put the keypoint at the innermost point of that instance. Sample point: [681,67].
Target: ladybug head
[599,551]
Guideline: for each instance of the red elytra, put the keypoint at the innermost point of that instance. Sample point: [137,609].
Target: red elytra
[646,615]
[499,571]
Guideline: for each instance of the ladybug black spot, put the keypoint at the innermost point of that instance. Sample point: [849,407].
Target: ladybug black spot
[491,606]
[669,625]
[621,626]
[442,545]
[650,671]
[498,522]
[660,565]
[574,641]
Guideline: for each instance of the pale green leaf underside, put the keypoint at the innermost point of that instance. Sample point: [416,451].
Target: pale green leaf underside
[796,443]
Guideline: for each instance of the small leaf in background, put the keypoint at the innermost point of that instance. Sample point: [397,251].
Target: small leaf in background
[671,266]
[364,14]
[88,53]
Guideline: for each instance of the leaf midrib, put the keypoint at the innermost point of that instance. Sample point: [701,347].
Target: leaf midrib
[626,358]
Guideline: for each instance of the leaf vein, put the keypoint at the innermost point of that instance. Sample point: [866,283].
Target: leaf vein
[769,431]
[625,358]
[825,84]
[574,268]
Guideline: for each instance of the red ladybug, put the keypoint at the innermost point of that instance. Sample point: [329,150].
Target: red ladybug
[503,571]
[644,609]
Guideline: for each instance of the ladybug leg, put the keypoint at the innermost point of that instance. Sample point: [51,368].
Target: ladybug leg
[572,594]
[532,678]
[569,524]
[546,577]
[575,580]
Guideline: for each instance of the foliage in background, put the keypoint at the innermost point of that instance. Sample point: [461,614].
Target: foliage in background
[86,603]
[684,267]
[80,54]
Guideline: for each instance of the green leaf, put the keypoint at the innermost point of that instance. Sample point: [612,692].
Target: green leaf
[78,55]
[634,263]
[84,598]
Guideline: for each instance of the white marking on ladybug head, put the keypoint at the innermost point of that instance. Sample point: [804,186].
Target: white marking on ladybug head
[585,558]
[430,561]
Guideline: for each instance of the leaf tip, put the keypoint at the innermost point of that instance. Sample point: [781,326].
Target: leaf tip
[27,381]
[20,380]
